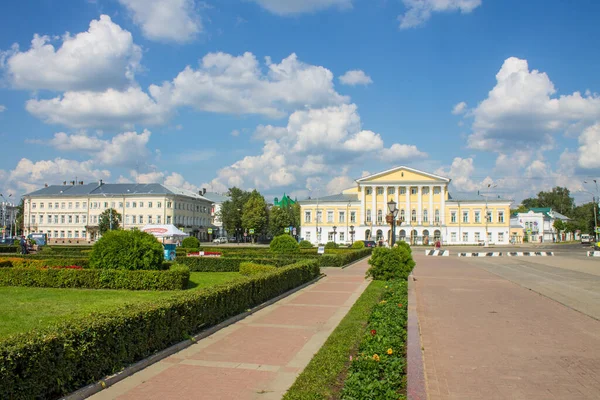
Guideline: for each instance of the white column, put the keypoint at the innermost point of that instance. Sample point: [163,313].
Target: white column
[420,210]
[396,190]
[443,207]
[373,205]
[407,212]
[362,205]
[431,212]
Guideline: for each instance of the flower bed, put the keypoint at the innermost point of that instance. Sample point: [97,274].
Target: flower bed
[52,363]
[204,254]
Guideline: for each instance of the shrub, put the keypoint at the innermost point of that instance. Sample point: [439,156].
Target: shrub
[379,369]
[331,245]
[132,250]
[74,277]
[250,268]
[221,264]
[59,360]
[305,244]
[388,264]
[359,244]
[191,242]
[284,244]
[9,249]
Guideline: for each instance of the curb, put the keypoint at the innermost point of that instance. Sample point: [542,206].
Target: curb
[491,254]
[530,253]
[107,382]
[416,388]
[593,253]
[441,253]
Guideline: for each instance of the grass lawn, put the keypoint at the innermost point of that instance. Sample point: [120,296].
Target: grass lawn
[25,308]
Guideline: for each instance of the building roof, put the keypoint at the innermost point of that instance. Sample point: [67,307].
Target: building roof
[475,198]
[335,198]
[392,170]
[216,197]
[285,201]
[548,212]
[112,189]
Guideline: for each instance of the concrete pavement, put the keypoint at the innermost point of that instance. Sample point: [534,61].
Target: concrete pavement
[258,357]
[485,337]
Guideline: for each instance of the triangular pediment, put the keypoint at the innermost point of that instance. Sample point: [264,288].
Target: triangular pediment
[403,174]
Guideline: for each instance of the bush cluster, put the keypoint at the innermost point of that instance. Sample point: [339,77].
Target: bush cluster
[387,264]
[222,264]
[331,245]
[52,363]
[191,242]
[175,279]
[359,244]
[284,244]
[124,249]
[378,371]
[305,244]
[34,261]
[341,259]
[250,268]
[9,249]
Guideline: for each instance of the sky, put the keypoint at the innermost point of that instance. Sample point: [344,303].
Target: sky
[300,96]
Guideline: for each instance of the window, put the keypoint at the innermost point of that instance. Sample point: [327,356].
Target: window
[477,217]
[84,205]
[55,234]
[329,216]
[425,190]
[149,219]
[391,190]
[500,237]
[413,216]
[62,219]
[77,219]
[465,217]
[127,204]
[489,236]
[56,205]
[84,219]
[33,205]
[413,190]
[168,219]
[149,204]
[500,218]
[437,216]
[319,216]
[342,237]
[50,206]
[56,219]
[453,217]
[95,219]
[465,236]
[368,215]
[307,216]
[159,204]
[319,237]
[41,219]
[70,205]
[141,219]
[69,234]
[379,216]
[168,204]
[76,234]
[112,204]
[41,205]
[368,191]
[120,204]
[342,216]
[379,190]
[83,234]
[127,219]
[133,219]
[76,204]
[330,237]
[402,190]
[453,236]
[489,216]
[425,216]
[141,204]
[477,236]
[33,219]
[134,204]
[62,234]
[49,219]
[402,215]
[62,205]
[353,217]
[158,219]
[308,236]
[436,190]
[70,219]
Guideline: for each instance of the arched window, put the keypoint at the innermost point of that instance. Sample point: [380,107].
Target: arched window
[402,215]
[425,216]
[380,216]
[437,216]
[413,216]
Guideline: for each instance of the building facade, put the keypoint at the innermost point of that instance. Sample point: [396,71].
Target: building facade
[538,225]
[8,218]
[71,213]
[426,212]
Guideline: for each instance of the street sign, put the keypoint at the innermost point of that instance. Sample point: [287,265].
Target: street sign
[321,250]
[294,231]
[210,231]
[287,230]
[598,229]
[252,231]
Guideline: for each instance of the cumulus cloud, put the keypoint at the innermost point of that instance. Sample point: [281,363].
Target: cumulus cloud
[294,7]
[460,108]
[2,108]
[104,56]
[166,20]
[589,150]
[522,108]
[339,183]
[419,11]
[355,77]
[314,143]
[224,83]
[111,108]
[461,172]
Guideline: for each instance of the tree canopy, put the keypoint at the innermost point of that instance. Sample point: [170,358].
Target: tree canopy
[254,214]
[232,209]
[559,199]
[104,220]
[282,217]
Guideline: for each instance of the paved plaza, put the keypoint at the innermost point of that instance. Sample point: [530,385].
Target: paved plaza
[258,357]
[486,335]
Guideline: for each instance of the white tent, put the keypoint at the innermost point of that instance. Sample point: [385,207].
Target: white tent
[164,231]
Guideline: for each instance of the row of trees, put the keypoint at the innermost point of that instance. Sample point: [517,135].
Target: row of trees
[249,210]
[559,199]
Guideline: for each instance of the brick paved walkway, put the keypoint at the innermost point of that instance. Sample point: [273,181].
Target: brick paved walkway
[487,338]
[258,357]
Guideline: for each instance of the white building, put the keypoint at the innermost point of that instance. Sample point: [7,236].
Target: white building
[217,200]
[70,213]
[8,218]
[538,224]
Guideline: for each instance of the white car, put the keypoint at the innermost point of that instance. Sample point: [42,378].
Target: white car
[220,240]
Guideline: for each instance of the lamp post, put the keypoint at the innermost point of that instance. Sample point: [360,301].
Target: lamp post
[393,212]
[352,233]
[489,186]
[334,232]
[4,203]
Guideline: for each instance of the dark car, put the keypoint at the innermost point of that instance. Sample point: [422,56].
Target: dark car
[370,243]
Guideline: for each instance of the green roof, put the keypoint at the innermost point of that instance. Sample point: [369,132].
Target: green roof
[286,201]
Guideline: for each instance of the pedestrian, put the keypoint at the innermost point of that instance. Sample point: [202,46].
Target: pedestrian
[23,243]
[437,244]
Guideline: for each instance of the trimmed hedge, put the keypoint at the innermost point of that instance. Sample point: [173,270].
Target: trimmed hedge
[5,264]
[175,279]
[191,242]
[284,244]
[52,363]
[26,261]
[250,268]
[221,264]
[341,259]
[9,249]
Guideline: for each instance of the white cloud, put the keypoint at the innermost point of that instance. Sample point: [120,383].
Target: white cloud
[111,108]
[339,183]
[235,133]
[355,77]
[166,20]
[2,108]
[224,83]
[292,7]
[461,172]
[419,11]
[460,108]
[521,109]
[315,142]
[104,56]
[589,150]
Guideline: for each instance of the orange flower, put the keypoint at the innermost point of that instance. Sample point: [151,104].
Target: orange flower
[376,357]
[400,305]
[373,332]
[390,351]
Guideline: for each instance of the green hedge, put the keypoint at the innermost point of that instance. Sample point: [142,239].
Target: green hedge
[52,363]
[341,259]
[250,268]
[9,249]
[25,261]
[222,264]
[176,279]
[5,264]
[66,250]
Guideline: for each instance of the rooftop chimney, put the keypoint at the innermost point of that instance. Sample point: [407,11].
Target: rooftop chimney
[100,182]
[45,185]
[203,191]
[64,183]
[81,182]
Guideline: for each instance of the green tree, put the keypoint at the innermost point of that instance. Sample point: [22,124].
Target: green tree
[282,217]
[560,226]
[105,219]
[559,199]
[231,210]
[254,214]
[583,217]
[520,209]
[19,217]
[526,204]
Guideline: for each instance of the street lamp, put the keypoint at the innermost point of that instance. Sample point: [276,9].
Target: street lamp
[393,212]
[595,200]
[352,233]
[334,229]
[489,186]
[4,215]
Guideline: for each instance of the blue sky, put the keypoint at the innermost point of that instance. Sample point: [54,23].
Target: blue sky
[300,96]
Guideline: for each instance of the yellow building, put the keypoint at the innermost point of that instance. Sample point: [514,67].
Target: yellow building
[426,212]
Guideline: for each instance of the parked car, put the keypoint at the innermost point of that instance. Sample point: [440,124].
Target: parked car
[586,239]
[220,240]
[370,243]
